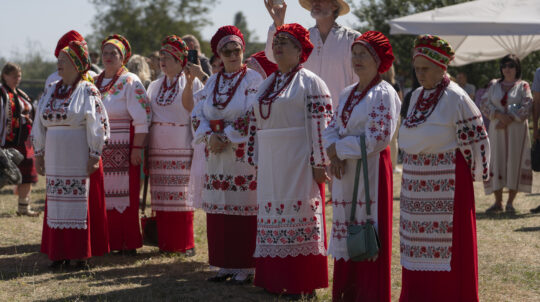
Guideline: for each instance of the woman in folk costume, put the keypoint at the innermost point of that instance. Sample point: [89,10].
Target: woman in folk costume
[229,195]
[64,41]
[293,108]
[370,108]
[127,104]
[446,148]
[69,133]
[170,153]
[508,103]
[260,63]
[16,118]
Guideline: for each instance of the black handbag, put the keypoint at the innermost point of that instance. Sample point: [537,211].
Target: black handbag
[535,155]
[362,240]
[9,171]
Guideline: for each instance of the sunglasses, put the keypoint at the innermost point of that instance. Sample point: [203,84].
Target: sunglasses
[228,52]
[508,65]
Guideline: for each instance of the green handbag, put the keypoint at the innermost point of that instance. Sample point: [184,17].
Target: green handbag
[362,240]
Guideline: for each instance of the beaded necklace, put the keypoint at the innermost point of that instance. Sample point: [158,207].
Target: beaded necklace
[107,87]
[424,107]
[164,88]
[270,94]
[229,92]
[60,93]
[354,100]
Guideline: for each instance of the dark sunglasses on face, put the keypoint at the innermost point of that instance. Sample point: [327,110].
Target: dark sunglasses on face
[227,52]
[508,65]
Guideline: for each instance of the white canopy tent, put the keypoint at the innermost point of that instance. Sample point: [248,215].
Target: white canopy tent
[479,30]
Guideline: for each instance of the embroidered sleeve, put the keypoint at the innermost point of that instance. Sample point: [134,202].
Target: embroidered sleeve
[472,139]
[319,114]
[382,119]
[522,113]
[486,106]
[97,122]
[138,105]
[39,131]
[201,125]
[237,131]
[252,139]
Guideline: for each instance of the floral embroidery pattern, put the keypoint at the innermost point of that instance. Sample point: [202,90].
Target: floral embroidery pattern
[169,180]
[429,252]
[63,186]
[429,159]
[239,152]
[170,164]
[251,140]
[379,122]
[426,206]
[158,195]
[242,183]
[428,185]
[471,131]
[230,209]
[426,227]
[142,98]
[287,231]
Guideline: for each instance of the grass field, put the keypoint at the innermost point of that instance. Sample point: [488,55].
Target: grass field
[508,255]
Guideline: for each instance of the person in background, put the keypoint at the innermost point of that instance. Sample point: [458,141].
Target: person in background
[170,151]
[331,55]
[369,108]
[129,111]
[390,77]
[94,67]
[461,79]
[407,99]
[536,113]
[446,148]
[153,62]
[137,64]
[70,130]
[216,63]
[292,110]
[508,103]
[204,62]
[260,63]
[229,196]
[19,117]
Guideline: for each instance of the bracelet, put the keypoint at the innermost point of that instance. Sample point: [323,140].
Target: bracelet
[137,147]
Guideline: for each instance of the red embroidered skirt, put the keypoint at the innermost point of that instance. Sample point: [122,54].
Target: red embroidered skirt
[370,281]
[124,229]
[175,231]
[231,240]
[294,275]
[461,283]
[61,244]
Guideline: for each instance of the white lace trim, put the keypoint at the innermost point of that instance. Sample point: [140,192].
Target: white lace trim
[426,266]
[282,251]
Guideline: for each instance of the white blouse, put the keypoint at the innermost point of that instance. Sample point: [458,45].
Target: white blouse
[83,109]
[127,99]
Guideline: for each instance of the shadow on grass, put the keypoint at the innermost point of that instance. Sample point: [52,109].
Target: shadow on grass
[528,229]
[19,249]
[178,281]
[502,216]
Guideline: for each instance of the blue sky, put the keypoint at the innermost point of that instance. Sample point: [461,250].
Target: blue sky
[39,23]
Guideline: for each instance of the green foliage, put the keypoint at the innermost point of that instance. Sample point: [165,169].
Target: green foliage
[146,22]
[375,14]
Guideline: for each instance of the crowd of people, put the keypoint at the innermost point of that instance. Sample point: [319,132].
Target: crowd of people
[252,142]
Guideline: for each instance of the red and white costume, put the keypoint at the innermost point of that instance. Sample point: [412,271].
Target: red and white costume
[445,149]
[67,132]
[170,157]
[129,113]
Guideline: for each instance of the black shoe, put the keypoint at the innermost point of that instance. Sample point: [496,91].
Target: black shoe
[190,253]
[219,278]
[82,265]
[297,297]
[132,252]
[536,210]
[59,264]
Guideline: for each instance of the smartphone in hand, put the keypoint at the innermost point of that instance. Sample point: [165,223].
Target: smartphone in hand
[193,56]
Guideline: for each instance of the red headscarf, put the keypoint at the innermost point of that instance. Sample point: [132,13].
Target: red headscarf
[260,61]
[379,47]
[71,35]
[175,46]
[121,43]
[224,35]
[301,35]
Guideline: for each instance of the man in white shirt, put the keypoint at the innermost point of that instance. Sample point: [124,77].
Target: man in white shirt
[331,56]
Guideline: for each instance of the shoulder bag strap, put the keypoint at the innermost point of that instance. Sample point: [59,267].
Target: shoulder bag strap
[355,191]
[366,179]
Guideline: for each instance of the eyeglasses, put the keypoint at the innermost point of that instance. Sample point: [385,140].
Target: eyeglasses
[228,52]
[508,65]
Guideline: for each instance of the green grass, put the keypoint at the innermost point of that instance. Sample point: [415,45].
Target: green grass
[508,256]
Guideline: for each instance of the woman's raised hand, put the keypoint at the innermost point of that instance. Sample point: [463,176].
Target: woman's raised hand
[277,13]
